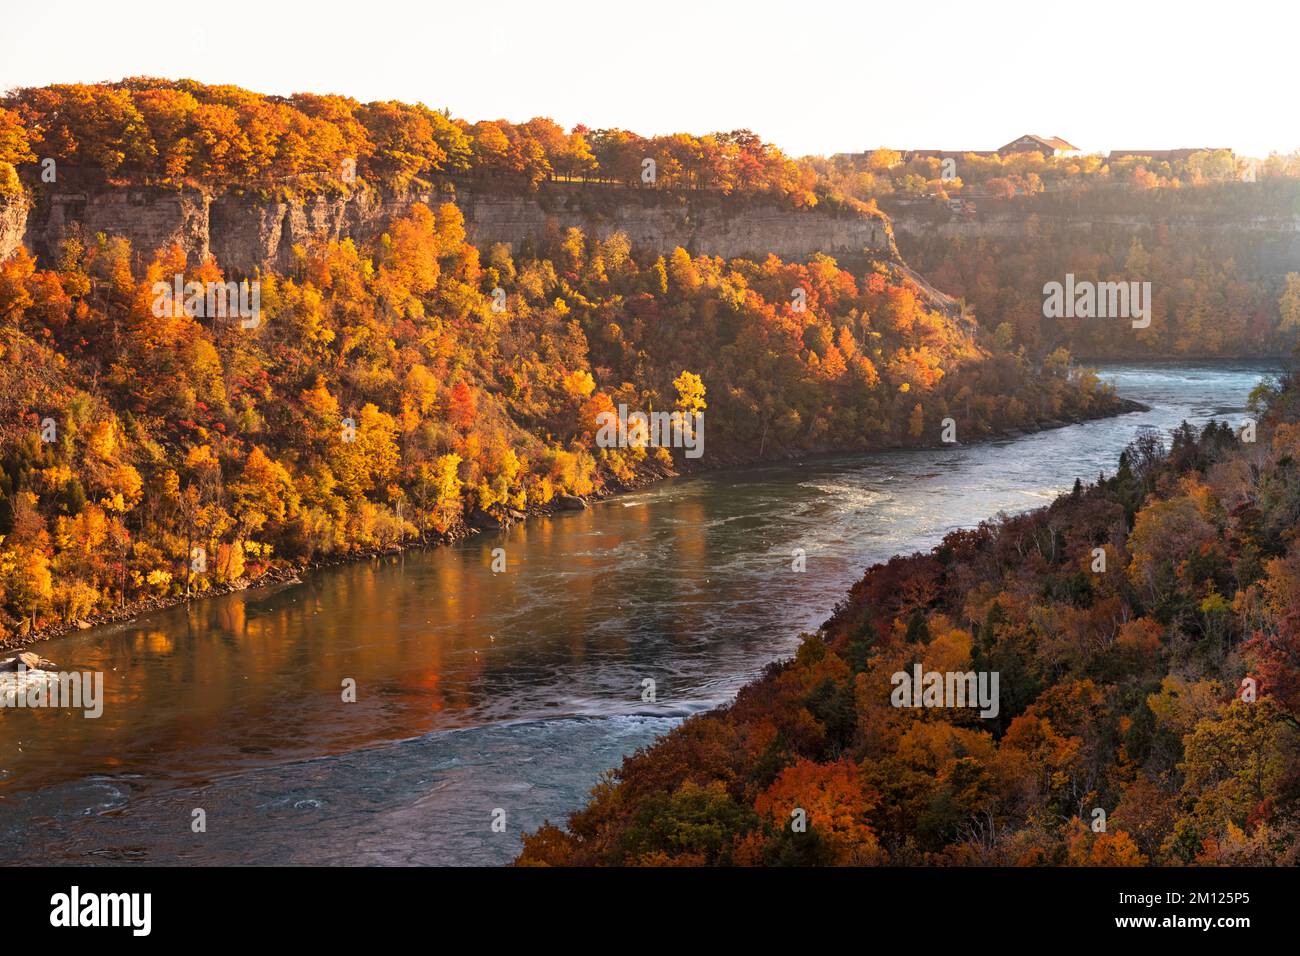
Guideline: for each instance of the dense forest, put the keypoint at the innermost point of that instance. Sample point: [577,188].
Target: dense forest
[1146,634]
[888,173]
[1209,295]
[159,131]
[401,392]
[172,132]
[164,132]
[1218,287]
[1204,238]
[1216,292]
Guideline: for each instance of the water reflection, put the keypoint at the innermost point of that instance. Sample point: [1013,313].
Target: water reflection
[538,669]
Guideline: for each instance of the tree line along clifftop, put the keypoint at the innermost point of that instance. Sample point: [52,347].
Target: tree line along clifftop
[247,176]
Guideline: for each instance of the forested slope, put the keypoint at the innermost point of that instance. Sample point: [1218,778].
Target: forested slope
[401,391]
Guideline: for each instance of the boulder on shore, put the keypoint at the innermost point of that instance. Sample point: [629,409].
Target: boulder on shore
[32,662]
[569,503]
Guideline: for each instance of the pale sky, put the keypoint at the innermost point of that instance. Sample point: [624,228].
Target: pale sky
[812,77]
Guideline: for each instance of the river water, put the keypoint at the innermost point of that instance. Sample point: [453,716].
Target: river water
[485,696]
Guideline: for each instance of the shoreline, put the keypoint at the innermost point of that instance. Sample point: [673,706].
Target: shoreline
[292,573]
[1281,359]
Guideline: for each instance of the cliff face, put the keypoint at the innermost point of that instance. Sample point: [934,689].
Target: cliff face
[245,232]
[1271,243]
[13,224]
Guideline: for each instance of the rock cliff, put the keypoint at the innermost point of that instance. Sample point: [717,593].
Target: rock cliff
[1267,244]
[247,231]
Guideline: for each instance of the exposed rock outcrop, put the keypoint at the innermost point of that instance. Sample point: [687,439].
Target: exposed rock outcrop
[247,231]
[13,224]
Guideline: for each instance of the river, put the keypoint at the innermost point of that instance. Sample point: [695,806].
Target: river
[485,696]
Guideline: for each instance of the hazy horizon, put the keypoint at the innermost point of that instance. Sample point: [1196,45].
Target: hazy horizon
[819,87]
